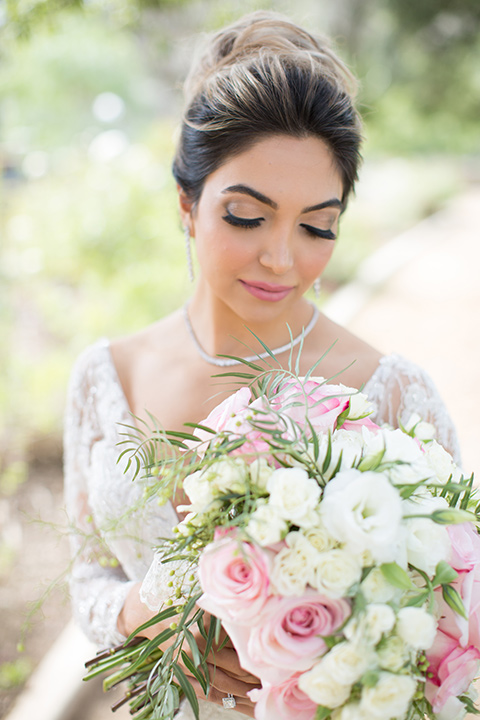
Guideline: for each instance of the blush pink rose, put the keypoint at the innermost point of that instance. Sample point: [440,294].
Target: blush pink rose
[222,414]
[234,577]
[453,668]
[466,561]
[288,635]
[358,424]
[282,702]
[296,399]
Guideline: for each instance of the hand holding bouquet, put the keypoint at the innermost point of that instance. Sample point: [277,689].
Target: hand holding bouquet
[340,557]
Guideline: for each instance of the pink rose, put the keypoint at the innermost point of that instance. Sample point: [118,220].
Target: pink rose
[453,669]
[222,414]
[466,561]
[358,424]
[283,702]
[288,635]
[234,577]
[296,399]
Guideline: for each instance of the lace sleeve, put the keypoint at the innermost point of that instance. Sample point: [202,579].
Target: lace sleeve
[98,585]
[400,388]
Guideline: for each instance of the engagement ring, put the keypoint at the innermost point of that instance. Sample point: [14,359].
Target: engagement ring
[229,702]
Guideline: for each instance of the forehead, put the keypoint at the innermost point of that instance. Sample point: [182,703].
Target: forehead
[283,168]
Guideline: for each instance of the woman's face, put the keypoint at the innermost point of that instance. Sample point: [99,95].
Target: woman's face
[265,224]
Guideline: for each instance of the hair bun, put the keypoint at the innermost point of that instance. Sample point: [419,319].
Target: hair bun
[264,33]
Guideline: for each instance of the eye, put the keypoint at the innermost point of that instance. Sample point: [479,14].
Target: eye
[316,232]
[242,222]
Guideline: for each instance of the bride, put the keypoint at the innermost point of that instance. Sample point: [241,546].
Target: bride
[266,161]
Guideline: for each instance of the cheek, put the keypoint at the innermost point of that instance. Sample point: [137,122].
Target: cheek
[315,260]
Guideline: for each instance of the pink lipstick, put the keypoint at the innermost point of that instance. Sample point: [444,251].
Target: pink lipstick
[267,291]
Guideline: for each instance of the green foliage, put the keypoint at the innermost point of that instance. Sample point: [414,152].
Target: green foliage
[13,674]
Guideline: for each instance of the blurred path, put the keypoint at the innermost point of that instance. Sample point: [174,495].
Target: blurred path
[420,296]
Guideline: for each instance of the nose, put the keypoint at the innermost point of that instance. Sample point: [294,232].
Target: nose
[277,252]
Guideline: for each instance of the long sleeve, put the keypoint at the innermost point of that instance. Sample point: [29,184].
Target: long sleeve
[400,388]
[98,584]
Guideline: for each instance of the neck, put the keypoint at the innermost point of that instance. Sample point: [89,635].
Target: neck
[220,331]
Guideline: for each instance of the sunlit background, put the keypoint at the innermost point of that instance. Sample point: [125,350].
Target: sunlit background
[90,238]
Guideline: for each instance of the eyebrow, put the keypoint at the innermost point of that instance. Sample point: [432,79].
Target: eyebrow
[246,190]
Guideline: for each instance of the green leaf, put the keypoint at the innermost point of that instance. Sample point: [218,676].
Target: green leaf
[193,647]
[444,574]
[328,454]
[314,367]
[372,462]
[396,576]
[159,617]
[323,713]
[418,599]
[187,689]
[370,678]
[452,598]
[195,672]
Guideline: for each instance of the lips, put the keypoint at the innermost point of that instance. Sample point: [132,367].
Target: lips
[267,291]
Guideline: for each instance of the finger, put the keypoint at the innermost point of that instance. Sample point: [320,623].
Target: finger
[225,683]
[243,705]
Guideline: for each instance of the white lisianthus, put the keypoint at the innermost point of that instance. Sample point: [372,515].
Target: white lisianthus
[265,526]
[379,619]
[422,430]
[260,472]
[319,538]
[392,653]
[292,565]
[416,627]
[363,511]
[397,445]
[347,662]
[359,404]
[295,496]
[227,474]
[441,462]
[376,588]
[410,474]
[322,688]
[389,698]
[427,542]
[347,443]
[334,572]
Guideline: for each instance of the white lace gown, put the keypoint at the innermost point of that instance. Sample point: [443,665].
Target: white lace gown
[101,498]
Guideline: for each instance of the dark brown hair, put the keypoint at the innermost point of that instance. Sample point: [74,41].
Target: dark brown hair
[259,77]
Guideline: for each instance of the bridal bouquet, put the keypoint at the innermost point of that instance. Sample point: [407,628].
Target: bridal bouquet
[341,558]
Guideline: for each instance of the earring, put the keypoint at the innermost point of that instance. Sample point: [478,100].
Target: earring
[317,286]
[191,275]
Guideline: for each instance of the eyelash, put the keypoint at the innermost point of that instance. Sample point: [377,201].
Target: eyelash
[249,224]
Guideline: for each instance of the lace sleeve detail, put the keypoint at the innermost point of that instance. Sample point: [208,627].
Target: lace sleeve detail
[400,388]
[98,585]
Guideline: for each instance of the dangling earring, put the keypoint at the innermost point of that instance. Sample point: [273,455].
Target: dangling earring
[317,286]
[186,231]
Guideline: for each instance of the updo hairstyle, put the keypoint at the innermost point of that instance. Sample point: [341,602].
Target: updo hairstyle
[262,76]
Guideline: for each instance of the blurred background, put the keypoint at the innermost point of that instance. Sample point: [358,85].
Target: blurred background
[90,239]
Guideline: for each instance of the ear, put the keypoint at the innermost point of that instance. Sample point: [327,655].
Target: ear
[186,209]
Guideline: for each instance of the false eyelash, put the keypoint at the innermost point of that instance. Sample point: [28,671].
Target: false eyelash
[326,234]
[241,222]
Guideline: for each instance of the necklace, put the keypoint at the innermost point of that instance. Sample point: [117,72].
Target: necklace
[227,362]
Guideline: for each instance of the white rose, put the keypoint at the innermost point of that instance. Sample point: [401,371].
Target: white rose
[441,462]
[228,474]
[347,662]
[379,619]
[334,572]
[363,511]
[265,526]
[295,495]
[389,698]
[292,565]
[392,653]
[322,688]
[351,711]
[260,472]
[416,627]
[376,588]
[319,538]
